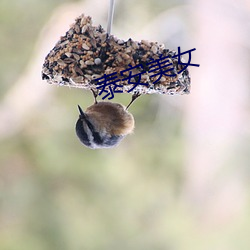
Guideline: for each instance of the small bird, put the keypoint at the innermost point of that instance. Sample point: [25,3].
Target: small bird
[104,124]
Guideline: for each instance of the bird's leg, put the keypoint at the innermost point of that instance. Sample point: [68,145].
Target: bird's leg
[95,94]
[134,97]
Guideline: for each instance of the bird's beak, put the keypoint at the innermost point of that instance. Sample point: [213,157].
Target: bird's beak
[82,115]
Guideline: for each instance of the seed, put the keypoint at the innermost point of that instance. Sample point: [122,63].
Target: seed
[84,28]
[125,56]
[134,45]
[78,70]
[128,50]
[145,42]
[77,29]
[103,37]
[88,77]
[77,79]
[88,62]
[77,57]
[83,21]
[120,42]
[69,60]
[68,54]
[61,62]
[85,46]
[95,76]
[154,49]
[77,51]
[93,43]
[118,58]
[98,61]
[64,43]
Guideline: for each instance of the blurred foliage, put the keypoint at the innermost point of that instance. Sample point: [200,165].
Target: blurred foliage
[20,23]
[56,194]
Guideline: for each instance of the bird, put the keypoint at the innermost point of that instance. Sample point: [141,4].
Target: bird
[104,124]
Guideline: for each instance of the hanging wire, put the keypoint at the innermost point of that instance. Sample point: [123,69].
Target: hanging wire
[110,15]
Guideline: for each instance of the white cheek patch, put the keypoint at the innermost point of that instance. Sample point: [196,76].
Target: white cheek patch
[89,133]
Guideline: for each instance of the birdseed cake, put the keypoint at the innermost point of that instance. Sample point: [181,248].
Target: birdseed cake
[87,57]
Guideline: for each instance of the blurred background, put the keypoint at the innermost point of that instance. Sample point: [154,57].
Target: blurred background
[180,182]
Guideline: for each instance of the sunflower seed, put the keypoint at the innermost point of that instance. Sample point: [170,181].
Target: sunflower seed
[85,46]
[88,62]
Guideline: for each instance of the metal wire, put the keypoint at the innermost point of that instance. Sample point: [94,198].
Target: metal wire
[110,15]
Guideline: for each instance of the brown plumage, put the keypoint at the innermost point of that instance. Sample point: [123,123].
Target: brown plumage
[110,117]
